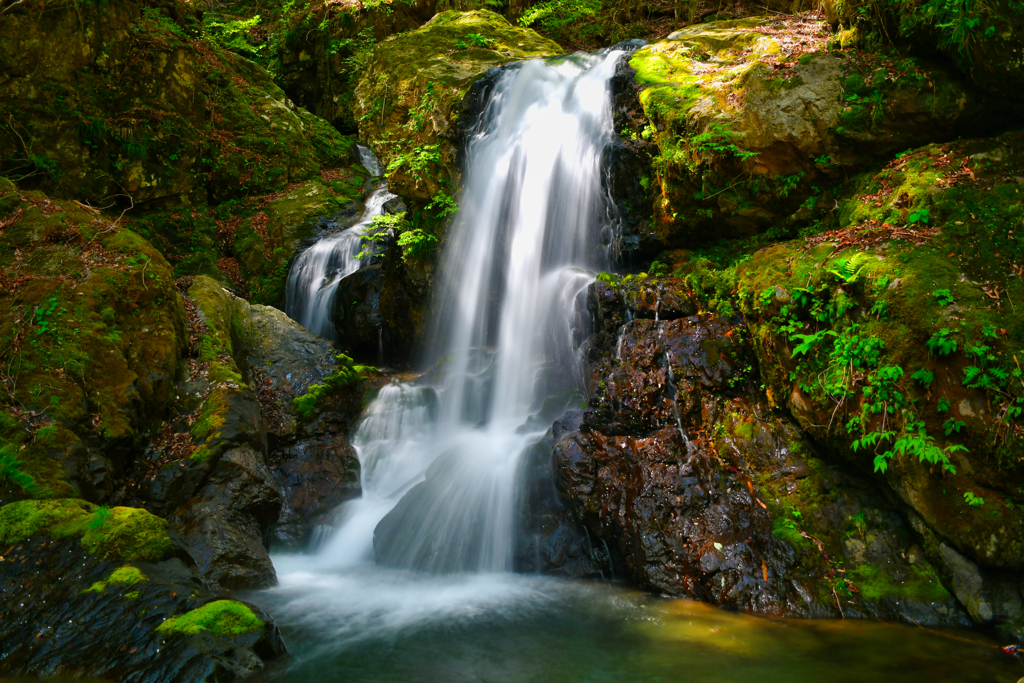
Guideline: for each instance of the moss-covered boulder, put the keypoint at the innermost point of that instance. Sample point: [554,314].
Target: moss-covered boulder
[130,103]
[409,97]
[895,342]
[266,242]
[755,118]
[92,329]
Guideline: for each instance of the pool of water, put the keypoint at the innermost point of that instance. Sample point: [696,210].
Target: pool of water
[367,624]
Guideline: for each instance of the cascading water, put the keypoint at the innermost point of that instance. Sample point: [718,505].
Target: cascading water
[439,463]
[314,277]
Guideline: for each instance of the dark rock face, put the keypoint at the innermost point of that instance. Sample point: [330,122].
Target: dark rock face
[225,522]
[103,632]
[698,490]
[548,539]
[626,162]
[317,475]
[376,312]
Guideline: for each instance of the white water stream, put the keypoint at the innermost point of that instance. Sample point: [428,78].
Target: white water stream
[314,277]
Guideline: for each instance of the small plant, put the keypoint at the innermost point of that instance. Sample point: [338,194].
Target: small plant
[923,377]
[953,425]
[943,296]
[849,271]
[919,216]
[973,500]
[942,342]
[809,341]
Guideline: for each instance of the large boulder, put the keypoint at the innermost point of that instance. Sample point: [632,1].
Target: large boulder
[409,97]
[157,113]
[93,330]
[698,490]
[893,342]
[754,118]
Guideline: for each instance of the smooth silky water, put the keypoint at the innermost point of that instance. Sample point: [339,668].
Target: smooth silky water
[415,583]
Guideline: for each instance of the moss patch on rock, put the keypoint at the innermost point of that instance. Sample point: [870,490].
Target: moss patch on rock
[409,97]
[122,576]
[221,618]
[756,119]
[119,534]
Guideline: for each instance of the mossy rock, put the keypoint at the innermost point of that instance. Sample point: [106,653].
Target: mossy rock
[158,113]
[751,129]
[93,330]
[267,241]
[119,534]
[221,618]
[911,332]
[409,97]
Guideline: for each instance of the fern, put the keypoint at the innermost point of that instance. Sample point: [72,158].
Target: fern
[850,270]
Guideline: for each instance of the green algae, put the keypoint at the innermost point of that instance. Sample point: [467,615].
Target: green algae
[119,534]
[222,618]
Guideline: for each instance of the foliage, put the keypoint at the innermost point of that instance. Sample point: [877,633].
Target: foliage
[555,15]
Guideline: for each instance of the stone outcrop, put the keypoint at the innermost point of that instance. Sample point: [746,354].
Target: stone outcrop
[410,97]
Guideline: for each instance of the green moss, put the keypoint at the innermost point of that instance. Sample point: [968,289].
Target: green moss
[222,618]
[125,534]
[122,576]
[920,586]
[347,375]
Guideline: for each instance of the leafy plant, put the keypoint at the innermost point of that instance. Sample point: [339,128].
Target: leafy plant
[973,500]
[944,297]
[809,341]
[919,216]
[849,270]
[942,342]
[924,377]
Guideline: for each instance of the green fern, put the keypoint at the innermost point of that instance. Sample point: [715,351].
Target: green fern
[850,270]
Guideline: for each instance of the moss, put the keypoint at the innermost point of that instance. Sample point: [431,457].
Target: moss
[122,576]
[221,618]
[120,533]
[920,585]
[345,376]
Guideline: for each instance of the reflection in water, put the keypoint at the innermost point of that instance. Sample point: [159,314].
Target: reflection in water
[368,624]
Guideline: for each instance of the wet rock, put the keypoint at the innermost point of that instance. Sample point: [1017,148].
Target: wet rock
[317,475]
[548,539]
[377,313]
[68,610]
[989,597]
[698,490]
[225,523]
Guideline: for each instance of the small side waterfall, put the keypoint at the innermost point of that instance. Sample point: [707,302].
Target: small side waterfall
[315,275]
[439,463]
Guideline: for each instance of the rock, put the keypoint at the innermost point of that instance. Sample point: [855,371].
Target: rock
[157,114]
[966,198]
[255,460]
[409,97]
[266,243]
[377,313]
[697,490]
[226,523]
[97,331]
[100,627]
[727,101]
[988,597]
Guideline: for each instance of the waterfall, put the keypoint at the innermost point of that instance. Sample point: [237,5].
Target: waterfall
[315,274]
[439,459]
